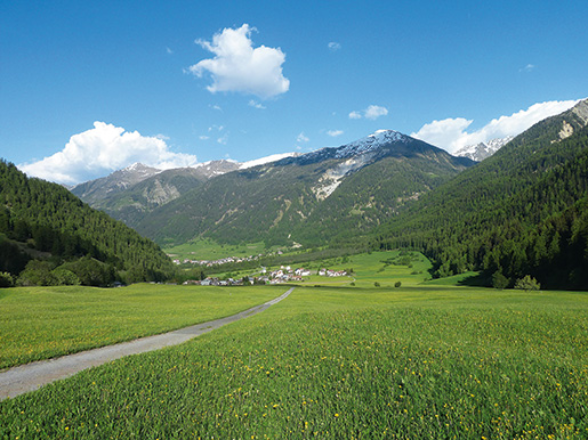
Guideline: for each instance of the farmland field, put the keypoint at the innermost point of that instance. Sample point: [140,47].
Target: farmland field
[43,322]
[350,362]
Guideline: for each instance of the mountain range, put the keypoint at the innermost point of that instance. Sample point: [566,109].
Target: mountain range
[129,194]
[308,198]
[521,211]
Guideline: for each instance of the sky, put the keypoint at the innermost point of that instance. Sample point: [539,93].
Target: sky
[87,88]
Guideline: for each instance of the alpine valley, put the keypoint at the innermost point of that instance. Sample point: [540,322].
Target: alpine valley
[521,211]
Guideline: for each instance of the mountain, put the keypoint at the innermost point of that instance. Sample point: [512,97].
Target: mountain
[48,236]
[483,150]
[129,193]
[97,190]
[523,211]
[311,198]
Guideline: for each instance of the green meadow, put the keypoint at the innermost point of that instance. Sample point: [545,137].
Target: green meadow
[350,362]
[44,322]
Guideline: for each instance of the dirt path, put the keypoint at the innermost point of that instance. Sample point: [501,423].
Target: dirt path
[29,377]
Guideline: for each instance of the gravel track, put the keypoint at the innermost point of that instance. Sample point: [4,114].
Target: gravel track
[30,377]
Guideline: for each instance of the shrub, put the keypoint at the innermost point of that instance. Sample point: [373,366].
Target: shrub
[499,281]
[397,284]
[376,284]
[6,279]
[527,283]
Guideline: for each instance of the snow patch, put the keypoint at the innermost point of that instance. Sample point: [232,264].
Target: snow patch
[264,160]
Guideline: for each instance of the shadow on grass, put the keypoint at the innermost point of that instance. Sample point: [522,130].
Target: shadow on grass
[480,280]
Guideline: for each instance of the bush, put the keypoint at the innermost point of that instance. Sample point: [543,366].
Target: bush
[397,284]
[6,279]
[37,273]
[527,283]
[64,277]
[376,284]
[499,281]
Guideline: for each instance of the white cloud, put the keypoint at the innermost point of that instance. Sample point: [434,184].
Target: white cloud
[223,140]
[375,111]
[451,134]
[335,133]
[238,67]
[372,112]
[169,51]
[334,46]
[216,107]
[528,68]
[204,138]
[444,134]
[253,103]
[101,150]
[302,138]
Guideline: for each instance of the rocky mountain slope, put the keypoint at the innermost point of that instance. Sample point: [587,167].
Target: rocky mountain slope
[129,193]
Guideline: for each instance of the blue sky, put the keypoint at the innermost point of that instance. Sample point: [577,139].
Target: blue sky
[89,87]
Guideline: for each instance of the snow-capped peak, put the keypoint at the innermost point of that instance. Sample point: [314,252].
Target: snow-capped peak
[138,167]
[483,150]
[371,142]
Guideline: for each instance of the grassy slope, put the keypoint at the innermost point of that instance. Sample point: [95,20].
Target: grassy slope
[411,362]
[44,322]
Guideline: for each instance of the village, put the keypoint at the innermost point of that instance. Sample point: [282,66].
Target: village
[283,275]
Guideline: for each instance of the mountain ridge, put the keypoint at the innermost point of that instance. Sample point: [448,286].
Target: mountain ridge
[326,191]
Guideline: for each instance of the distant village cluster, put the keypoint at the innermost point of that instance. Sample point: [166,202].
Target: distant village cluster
[283,275]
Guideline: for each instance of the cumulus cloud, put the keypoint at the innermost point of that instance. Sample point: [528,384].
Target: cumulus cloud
[334,46]
[372,112]
[253,103]
[238,67]
[375,111]
[101,150]
[451,134]
[335,133]
[302,138]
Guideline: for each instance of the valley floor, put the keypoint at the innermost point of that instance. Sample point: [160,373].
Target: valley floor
[416,361]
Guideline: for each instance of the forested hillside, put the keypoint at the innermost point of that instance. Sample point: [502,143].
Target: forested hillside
[48,236]
[521,212]
[313,199]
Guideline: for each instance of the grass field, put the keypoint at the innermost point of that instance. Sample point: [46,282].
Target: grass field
[414,362]
[385,268]
[44,322]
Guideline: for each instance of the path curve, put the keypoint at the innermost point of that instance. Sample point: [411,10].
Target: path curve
[30,377]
